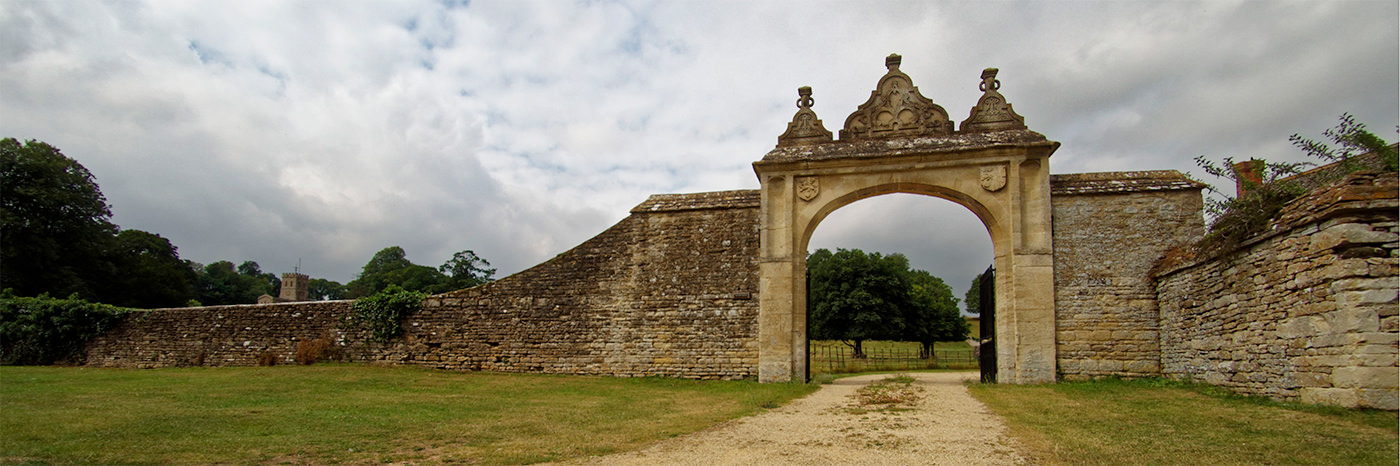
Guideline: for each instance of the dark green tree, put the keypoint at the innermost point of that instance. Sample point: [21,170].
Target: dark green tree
[321,289]
[150,273]
[853,296]
[267,283]
[390,266]
[972,301]
[220,283]
[54,222]
[464,270]
[933,316]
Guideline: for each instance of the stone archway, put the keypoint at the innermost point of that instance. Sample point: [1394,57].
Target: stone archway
[901,142]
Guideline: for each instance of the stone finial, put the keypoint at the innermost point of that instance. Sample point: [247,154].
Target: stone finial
[992,112]
[896,109]
[805,128]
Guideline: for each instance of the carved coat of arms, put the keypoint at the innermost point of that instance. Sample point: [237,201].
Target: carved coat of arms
[807,188]
[993,177]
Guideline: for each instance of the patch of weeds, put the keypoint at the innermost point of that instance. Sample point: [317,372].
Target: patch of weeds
[891,394]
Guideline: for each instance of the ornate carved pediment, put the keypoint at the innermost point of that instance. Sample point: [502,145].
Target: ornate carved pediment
[896,109]
[992,112]
[805,127]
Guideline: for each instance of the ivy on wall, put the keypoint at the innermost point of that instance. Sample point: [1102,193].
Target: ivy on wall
[44,330]
[382,313]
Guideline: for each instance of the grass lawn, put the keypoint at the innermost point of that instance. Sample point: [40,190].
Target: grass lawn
[350,413]
[1166,422]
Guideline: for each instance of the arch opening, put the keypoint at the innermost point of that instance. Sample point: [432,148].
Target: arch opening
[936,232]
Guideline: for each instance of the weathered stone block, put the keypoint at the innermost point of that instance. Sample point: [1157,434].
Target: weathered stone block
[1344,397]
[1366,377]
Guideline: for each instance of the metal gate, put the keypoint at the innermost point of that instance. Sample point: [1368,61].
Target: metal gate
[987,308]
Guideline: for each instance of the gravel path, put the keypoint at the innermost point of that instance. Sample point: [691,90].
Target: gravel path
[945,426]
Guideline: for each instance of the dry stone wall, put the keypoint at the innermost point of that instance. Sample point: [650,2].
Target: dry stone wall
[668,291]
[1307,312]
[220,335]
[1108,231]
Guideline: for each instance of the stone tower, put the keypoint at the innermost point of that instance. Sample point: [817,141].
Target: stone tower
[295,287]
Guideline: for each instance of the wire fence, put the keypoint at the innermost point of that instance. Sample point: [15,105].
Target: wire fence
[836,357]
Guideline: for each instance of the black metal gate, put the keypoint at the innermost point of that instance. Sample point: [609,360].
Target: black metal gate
[987,308]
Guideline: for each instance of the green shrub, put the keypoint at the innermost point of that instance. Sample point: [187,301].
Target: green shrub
[383,312]
[44,330]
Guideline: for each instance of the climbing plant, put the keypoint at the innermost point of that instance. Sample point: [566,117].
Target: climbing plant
[382,313]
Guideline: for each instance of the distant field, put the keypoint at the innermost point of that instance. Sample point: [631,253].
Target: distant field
[834,357]
[1161,422]
[350,414]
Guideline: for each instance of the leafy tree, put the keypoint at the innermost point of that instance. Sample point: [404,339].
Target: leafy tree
[933,314]
[220,283]
[465,270]
[151,273]
[390,266]
[853,296]
[972,301]
[267,282]
[383,312]
[321,289]
[54,221]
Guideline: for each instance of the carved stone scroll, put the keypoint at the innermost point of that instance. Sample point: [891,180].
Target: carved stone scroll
[896,109]
[805,128]
[992,112]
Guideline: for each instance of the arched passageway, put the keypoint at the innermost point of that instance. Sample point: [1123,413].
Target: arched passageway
[901,142]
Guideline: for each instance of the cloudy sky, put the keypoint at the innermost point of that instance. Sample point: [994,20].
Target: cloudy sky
[326,130]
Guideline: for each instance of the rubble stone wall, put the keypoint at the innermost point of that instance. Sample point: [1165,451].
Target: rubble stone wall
[1108,231]
[1307,312]
[668,291]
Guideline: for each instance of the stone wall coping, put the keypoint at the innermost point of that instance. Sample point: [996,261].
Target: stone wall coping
[958,142]
[736,199]
[1121,182]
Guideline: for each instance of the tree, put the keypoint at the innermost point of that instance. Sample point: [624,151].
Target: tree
[54,221]
[220,283]
[933,315]
[973,299]
[465,270]
[853,296]
[267,283]
[150,273]
[321,289]
[390,266]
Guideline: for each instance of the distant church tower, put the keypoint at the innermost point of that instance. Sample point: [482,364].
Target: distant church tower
[295,287]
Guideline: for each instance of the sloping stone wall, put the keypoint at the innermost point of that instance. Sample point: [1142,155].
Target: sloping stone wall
[1307,312]
[1108,231]
[669,291]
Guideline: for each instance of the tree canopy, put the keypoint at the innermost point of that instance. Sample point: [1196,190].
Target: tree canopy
[856,296]
[54,220]
[390,266]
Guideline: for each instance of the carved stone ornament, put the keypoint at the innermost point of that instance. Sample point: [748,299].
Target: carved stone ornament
[992,112]
[807,188]
[993,177]
[896,109]
[805,128]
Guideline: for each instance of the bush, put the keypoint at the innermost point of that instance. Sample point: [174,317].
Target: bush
[267,358]
[44,330]
[320,349]
[383,312]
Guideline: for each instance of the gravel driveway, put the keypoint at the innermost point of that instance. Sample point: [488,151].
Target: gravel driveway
[944,426]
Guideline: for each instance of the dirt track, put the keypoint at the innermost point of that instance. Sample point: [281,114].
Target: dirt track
[946,426]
